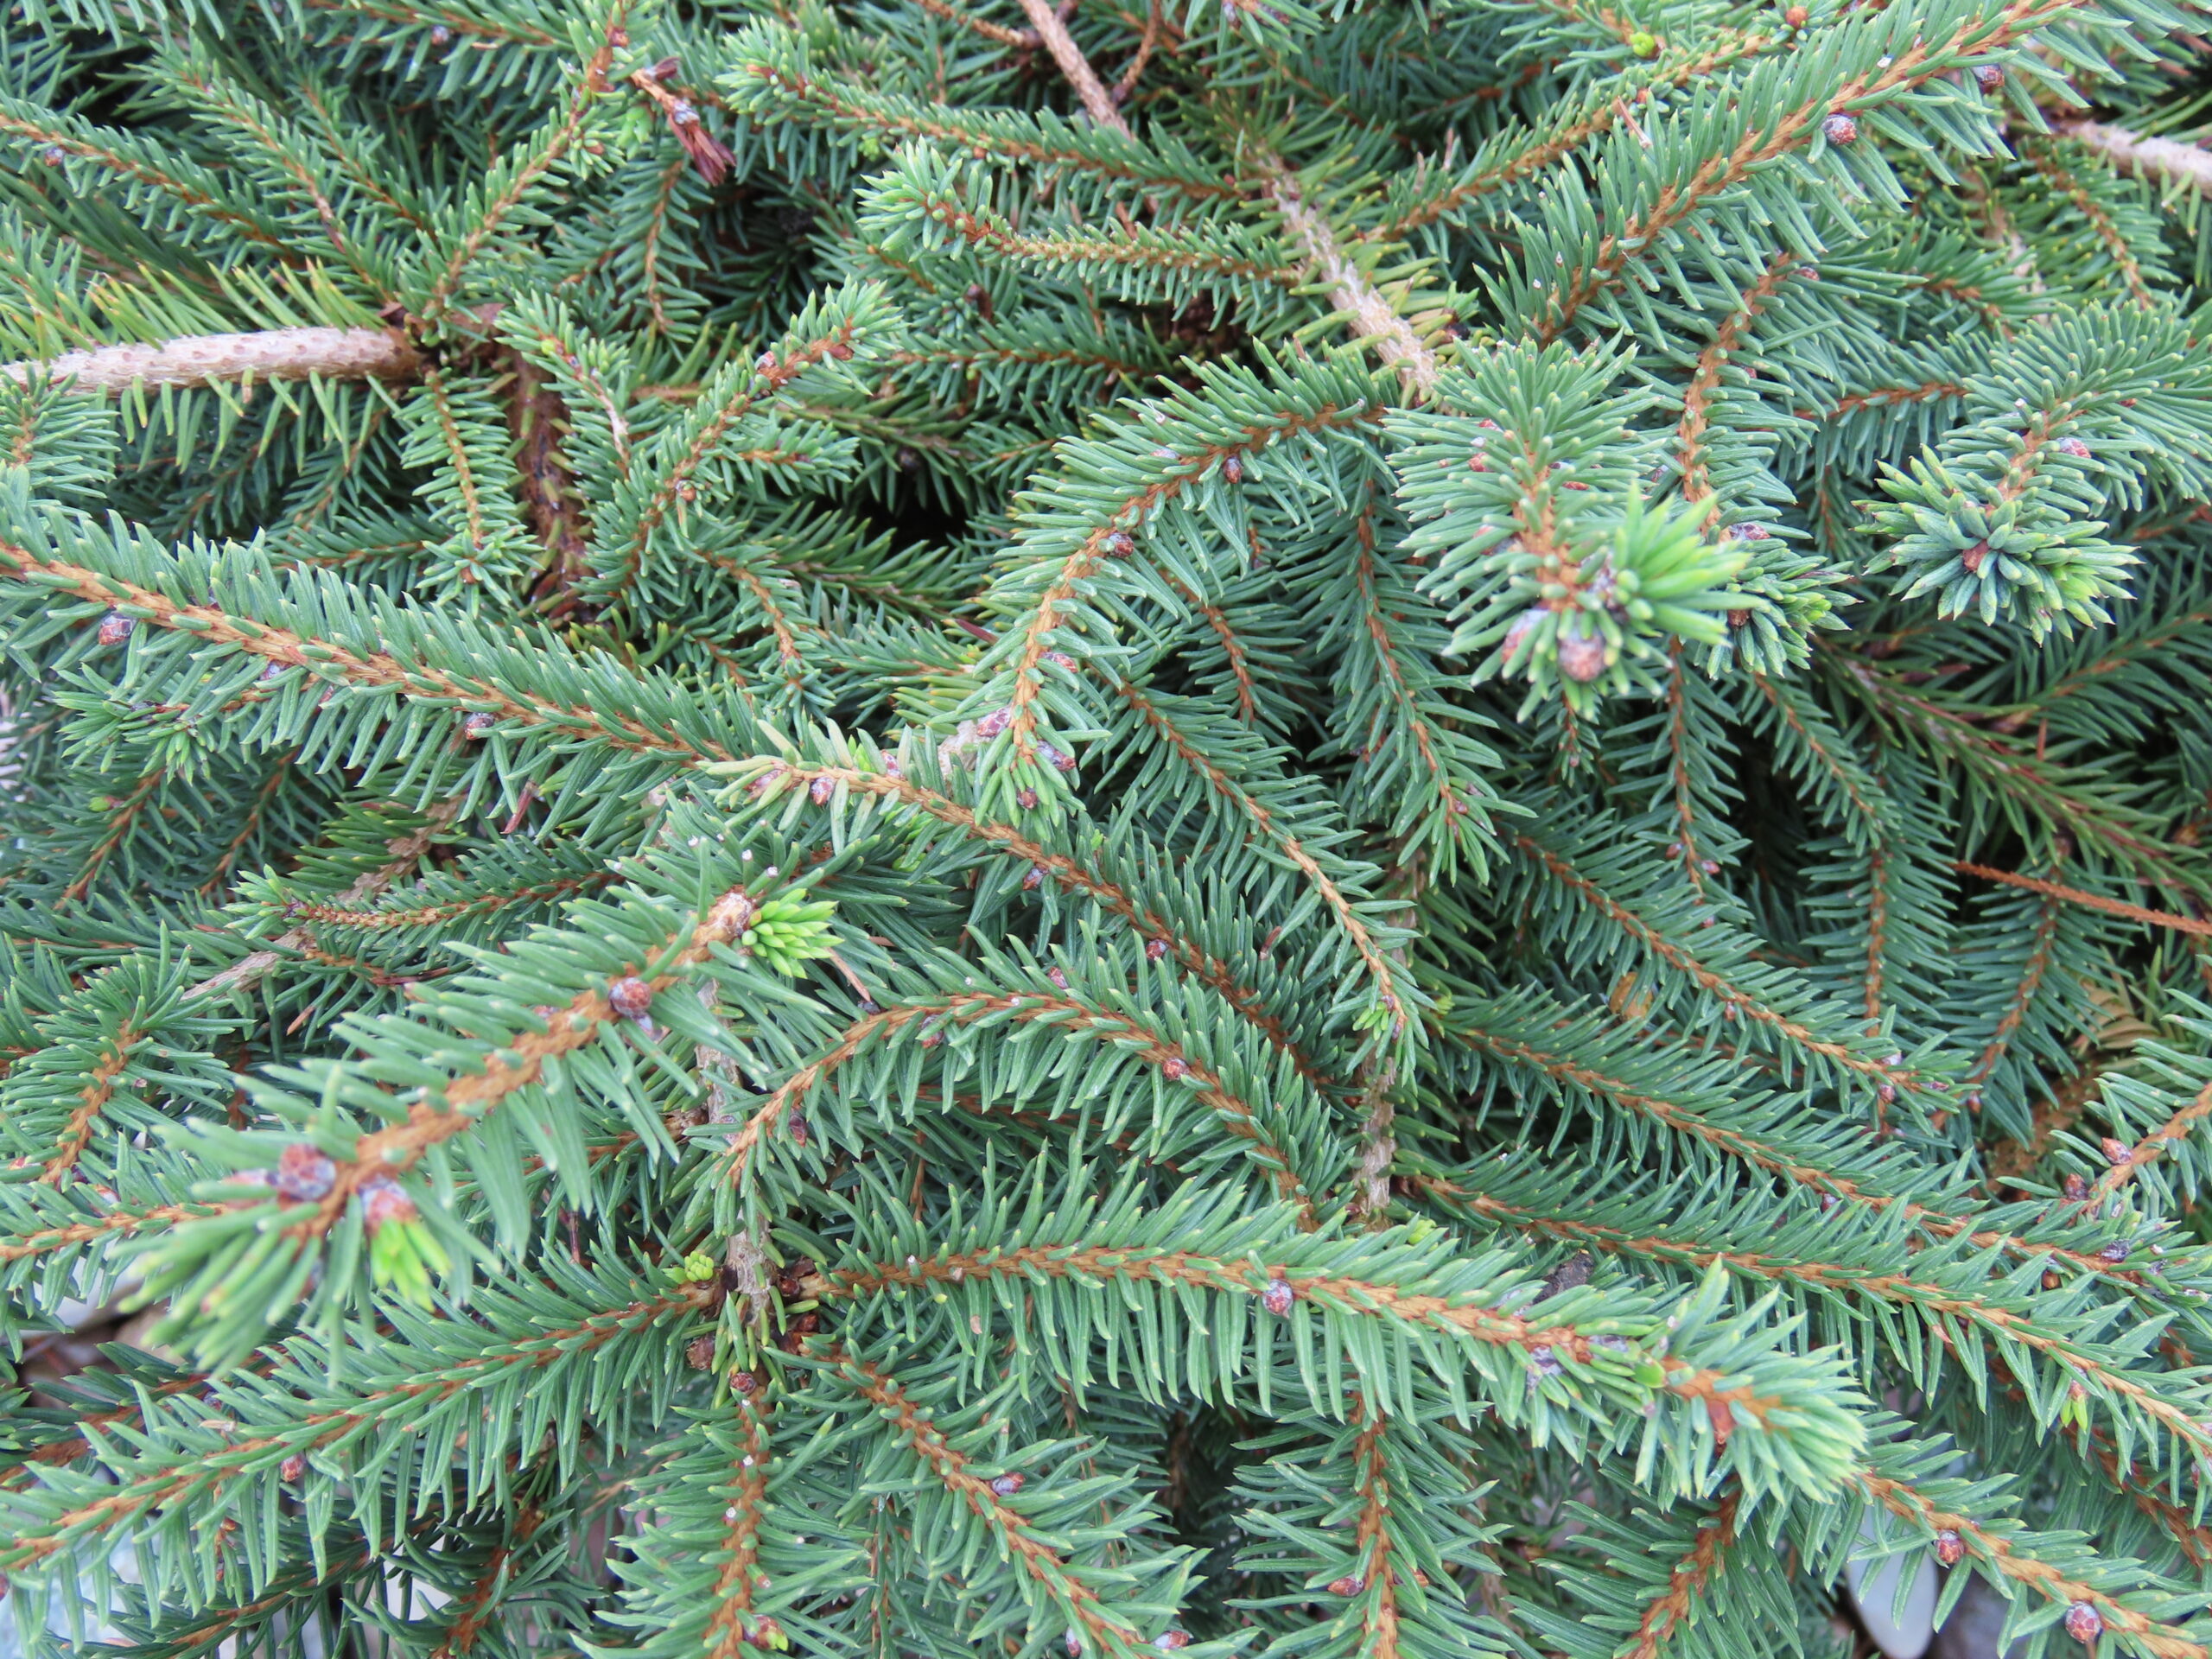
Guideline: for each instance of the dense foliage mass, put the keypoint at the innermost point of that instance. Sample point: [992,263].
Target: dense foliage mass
[928,827]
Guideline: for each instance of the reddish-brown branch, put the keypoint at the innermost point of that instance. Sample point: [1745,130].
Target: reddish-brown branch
[377,668]
[1759,1155]
[438,1114]
[731,1631]
[472,1610]
[1690,1576]
[1370,1484]
[2091,900]
[2153,1147]
[1763,142]
[124,1221]
[255,812]
[92,1101]
[1082,564]
[1941,1306]
[591,86]
[2023,995]
[403,853]
[1384,972]
[1544,151]
[122,816]
[2045,162]
[1705,380]
[1712,982]
[538,418]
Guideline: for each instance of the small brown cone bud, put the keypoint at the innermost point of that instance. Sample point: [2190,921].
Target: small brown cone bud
[293,1470]
[2084,1622]
[1348,1587]
[303,1174]
[1171,1640]
[2118,1153]
[1155,950]
[1278,1296]
[699,1353]
[1950,1549]
[1839,130]
[630,997]
[745,1384]
[383,1202]
[477,725]
[2077,1187]
[1974,557]
[2051,1279]
[1516,637]
[116,627]
[1988,77]
[1006,1485]
[1581,656]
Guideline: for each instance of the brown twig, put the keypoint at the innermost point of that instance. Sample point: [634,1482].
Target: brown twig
[405,851]
[1097,100]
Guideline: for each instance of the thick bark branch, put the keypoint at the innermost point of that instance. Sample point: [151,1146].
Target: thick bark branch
[205,359]
[2152,158]
[1065,52]
[1367,311]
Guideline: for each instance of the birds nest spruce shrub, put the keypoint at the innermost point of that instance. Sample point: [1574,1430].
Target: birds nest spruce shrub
[936,826]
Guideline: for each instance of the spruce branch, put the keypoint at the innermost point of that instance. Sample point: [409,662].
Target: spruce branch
[1686,1579]
[52,1522]
[1254,1126]
[2153,1145]
[1996,1548]
[2043,157]
[837,784]
[1197,1031]
[406,852]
